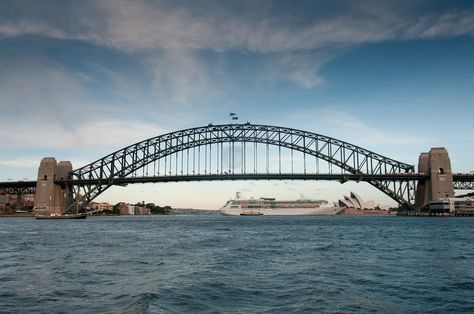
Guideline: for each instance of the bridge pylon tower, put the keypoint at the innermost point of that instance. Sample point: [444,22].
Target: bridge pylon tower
[437,165]
[51,197]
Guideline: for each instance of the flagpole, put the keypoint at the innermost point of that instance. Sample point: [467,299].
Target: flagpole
[233,116]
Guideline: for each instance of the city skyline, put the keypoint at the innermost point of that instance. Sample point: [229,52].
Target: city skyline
[80,80]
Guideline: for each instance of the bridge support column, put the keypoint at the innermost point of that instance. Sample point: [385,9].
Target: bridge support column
[437,164]
[51,197]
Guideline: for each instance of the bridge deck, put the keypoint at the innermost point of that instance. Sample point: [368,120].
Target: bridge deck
[458,177]
[258,176]
[17,184]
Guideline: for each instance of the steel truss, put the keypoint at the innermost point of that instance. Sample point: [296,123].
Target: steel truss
[464,185]
[17,190]
[93,179]
[18,187]
[463,181]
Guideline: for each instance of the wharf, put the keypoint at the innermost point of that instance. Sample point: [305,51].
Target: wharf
[18,215]
[360,212]
[430,214]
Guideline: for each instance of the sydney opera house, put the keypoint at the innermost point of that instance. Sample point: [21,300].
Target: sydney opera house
[355,201]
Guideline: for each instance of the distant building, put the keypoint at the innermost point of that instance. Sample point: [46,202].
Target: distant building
[142,210]
[356,202]
[125,208]
[129,209]
[17,201]
[100,206]
[452,205]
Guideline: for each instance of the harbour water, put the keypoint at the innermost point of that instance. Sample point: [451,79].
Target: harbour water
[219,264]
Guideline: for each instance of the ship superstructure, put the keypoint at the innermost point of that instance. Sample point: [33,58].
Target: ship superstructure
[271,206]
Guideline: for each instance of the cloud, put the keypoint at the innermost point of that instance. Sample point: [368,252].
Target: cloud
[41,91]
[340,123]
[301,68]
[22,27]
[45,104]
[105,134]
[453,23]
[189,77]
[217,26]
[170,35]
[21,163]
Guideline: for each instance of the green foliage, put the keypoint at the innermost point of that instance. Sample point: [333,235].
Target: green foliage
[154,209]
[28,208]
[9,208]
[158,210]
[151,206]
[116,209]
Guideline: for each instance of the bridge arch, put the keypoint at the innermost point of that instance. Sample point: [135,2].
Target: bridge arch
[94,178]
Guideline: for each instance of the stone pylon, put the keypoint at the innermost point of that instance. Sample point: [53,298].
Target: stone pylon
[51,197]
[437,165]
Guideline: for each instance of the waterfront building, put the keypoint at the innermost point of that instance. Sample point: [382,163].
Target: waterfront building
[15,201]
[139,210]
[102,206]
[461,205]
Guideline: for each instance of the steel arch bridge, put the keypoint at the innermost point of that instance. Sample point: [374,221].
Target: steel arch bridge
[242,152]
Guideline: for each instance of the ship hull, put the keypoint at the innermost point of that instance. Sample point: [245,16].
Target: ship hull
[283,211]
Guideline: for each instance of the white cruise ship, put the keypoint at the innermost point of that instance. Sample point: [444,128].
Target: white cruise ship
[270,206]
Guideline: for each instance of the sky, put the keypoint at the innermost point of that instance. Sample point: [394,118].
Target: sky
[80,79]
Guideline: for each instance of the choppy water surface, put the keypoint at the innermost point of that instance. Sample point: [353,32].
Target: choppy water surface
[183,264]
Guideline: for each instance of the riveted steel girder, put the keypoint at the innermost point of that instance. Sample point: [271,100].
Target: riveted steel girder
[352,159]
[464,185]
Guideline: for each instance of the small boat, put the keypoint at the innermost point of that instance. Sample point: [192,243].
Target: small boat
[62,216]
